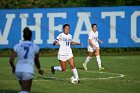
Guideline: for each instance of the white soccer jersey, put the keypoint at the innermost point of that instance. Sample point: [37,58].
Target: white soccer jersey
[93,36]
[26,51]
[64,42]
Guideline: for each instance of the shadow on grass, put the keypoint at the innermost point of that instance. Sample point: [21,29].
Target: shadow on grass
[8,91]
[11,91]
[49,78]
[80,68]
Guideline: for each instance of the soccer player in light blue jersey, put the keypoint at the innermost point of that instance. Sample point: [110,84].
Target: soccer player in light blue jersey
[27,54]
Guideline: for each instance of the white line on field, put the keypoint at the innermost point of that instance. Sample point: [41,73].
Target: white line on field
[117,75]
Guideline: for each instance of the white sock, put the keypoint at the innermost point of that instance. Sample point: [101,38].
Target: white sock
[23,92]
[87,59]
[58,68]
[75,73]
[26,92]
[98,61]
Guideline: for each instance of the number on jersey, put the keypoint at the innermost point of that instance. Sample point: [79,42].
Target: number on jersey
[26,52]
[67,43]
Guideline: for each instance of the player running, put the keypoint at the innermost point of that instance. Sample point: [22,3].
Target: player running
[27,54]
[65,52]
[93,47]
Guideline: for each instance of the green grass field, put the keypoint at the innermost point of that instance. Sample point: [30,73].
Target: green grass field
[110,80]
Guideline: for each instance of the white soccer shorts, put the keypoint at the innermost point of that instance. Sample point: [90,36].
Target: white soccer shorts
[91,49]
[23,75]
[64,57]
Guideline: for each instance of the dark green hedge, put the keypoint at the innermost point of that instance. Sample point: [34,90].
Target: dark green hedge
[82,51]
[11,4]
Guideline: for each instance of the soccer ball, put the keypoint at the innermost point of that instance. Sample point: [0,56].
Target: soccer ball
[73,80]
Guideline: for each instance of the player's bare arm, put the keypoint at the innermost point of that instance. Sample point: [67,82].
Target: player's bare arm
[90,42]
[11,60]
[55,43]
[37,63]
[76,43]
[100,41]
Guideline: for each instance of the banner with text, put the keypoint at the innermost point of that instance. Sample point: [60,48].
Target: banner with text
[117,26]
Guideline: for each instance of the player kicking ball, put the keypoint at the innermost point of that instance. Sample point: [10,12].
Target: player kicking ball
[64,40]
[27,54]
[93,47]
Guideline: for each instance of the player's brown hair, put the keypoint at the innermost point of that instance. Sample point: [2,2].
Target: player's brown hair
[93,25]
[27,34]
[66,25]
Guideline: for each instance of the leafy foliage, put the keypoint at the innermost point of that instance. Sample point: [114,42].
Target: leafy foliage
[11,4]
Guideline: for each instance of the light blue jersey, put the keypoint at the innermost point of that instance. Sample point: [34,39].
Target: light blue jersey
[26,51]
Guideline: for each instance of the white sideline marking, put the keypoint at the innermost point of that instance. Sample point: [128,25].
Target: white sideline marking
[117,75]
[121,57]
[111,77]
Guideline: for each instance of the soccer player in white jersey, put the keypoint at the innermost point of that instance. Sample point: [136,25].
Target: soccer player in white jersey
[27,54]
[93,47]
[65,53]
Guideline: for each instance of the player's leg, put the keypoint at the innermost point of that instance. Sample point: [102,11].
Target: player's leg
[26,85]
[19,77]
[62,60]
[62,67]
[20,82]
[26,82]
[21,85]
[98,59]
[90,55]
[57,68]
[72,66]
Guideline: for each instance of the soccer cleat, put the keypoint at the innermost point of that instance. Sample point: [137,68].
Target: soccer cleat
[52,69]
[85,66]
[78,81]
[101,68]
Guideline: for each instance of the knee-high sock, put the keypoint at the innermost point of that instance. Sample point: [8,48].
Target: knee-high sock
[87,59]
[75,73]
[58,68]
[98,61]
